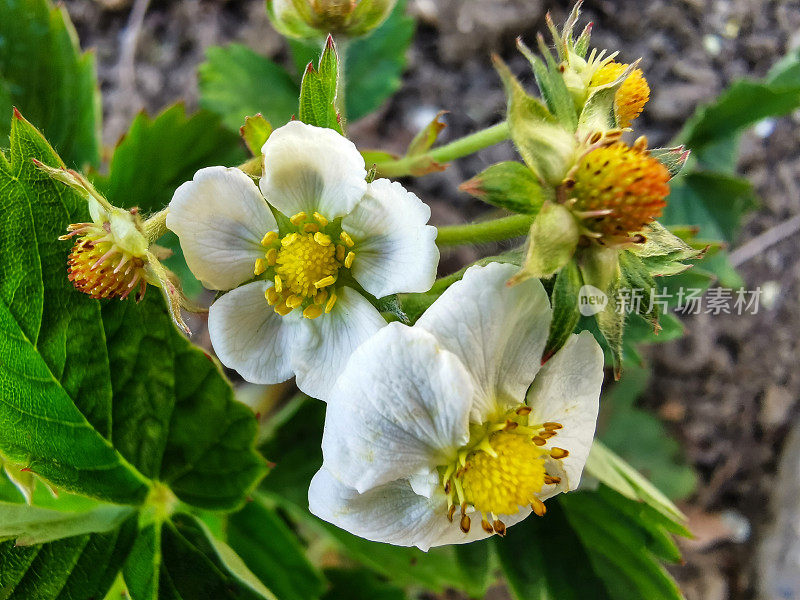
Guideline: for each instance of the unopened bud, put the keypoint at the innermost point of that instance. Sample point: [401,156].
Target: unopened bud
[309,19]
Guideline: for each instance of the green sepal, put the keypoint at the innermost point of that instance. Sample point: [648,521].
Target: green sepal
[427,136]
[566,313]
[509,185]
[600,268]
[545,145]
[318,91]
[552,242]
[662,252]
[255,132]
[674,159]
[636,276]
[598,113]
[551,84]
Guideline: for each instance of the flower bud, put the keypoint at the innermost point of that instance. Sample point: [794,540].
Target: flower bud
[631,96]
[309,19]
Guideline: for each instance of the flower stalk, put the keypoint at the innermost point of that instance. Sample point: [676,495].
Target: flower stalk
[495,230]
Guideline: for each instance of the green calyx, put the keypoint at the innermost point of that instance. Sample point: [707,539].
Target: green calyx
[314,19]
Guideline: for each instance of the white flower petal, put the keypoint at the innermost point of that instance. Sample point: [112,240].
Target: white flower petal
[251,338]
[401,405]
[498,332]
[395,248]
[309,169]
[392,513]
[331,339]
[567,391]
[220,218]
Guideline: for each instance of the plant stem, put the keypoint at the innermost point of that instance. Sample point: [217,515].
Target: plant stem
[156,226]
[487,231]
[342,46]
[456,149]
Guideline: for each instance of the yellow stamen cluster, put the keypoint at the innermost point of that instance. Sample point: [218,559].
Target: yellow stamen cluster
[617,189]
[99,268]
[631,96]
[501,469]
[304,265]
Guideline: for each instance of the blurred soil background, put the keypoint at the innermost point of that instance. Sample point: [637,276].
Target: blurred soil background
[728,391]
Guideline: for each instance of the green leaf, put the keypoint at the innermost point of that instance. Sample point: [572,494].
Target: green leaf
[614,472]
[175,415]
[255,132]
[45,75]
[544,559]
[53,363]
[475,560]
[714,202]
[181,559]
[30,525]
[236,82]
[566,311]
[620,545]
[374,63]
[76,568]
[156,156]
[509,185]
[359,584]
[318,91]
[273,553]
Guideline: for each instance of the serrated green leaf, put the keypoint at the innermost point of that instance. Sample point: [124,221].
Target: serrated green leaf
[318,89]
[509,185]
[53,363]
[77,568]
[46,76]
[236,82]
[566,311]
[272,552]
[175,415]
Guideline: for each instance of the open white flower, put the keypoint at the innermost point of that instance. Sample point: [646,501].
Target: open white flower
[294,307]
[455,413]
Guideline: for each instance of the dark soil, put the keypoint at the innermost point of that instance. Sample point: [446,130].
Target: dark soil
[729,389]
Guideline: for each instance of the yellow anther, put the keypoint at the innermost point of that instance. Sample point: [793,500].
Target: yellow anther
[550,480]
[298,218]
[348,261]
[538,507]
[269,238]
[552,426]
[282,309]
[320,219]
[289,239]
[312,311]
[320,297]
[539,441]
[499,527]
[331,302]
[345,237]
[465,523]
[272,296]
[559,453]
[322,239]
[272,256]
[325,282]
[294,301]
[340,251]
[310,227]
[278,284]
[261,266]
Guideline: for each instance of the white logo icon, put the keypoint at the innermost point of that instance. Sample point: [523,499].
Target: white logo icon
[591,300]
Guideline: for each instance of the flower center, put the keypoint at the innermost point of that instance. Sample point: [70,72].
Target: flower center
[304,265]
[501,469]
[99,267]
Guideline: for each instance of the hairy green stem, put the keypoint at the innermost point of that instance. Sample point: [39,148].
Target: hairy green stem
[156,226]
[486,231]
[456,149]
